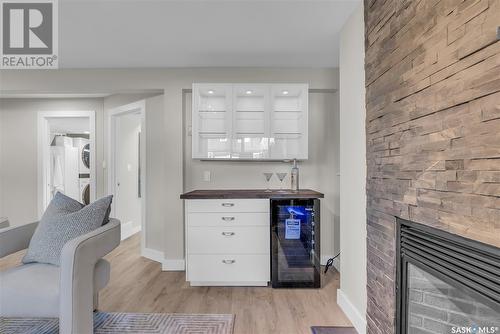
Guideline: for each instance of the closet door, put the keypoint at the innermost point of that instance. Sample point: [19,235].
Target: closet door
[289,121]
[212,121]
[251,106]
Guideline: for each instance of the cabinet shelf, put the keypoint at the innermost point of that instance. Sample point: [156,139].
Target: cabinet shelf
[212,134]
[250,133]
[241,121]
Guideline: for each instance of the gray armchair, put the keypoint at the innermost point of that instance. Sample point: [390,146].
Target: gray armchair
[4,222]
[69,292]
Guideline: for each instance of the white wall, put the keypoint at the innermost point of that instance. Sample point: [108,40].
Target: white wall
[169,134]
[352,294]
[18,148]
[121,99]
[318,172]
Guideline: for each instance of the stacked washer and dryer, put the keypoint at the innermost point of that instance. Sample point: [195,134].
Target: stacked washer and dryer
[83,146]
[71,167]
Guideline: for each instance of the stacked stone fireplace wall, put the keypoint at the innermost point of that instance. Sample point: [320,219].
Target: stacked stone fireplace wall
[433,129]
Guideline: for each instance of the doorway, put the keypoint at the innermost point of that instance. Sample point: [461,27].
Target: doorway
[66,156]
[127,167]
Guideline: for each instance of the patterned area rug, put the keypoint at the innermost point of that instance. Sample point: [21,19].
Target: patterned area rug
[137,323]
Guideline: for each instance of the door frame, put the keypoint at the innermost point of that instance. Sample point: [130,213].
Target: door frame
[113,114]
[44,152]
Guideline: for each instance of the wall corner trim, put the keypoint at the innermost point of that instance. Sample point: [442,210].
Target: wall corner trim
[357,319]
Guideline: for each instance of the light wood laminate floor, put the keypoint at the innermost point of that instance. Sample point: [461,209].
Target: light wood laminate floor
[138,285]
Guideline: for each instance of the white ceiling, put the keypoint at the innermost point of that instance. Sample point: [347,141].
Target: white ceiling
[201,33]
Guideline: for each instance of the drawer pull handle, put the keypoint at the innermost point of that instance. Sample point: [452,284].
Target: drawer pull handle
[227,218]
[227,205]
[228,234]
[228,261]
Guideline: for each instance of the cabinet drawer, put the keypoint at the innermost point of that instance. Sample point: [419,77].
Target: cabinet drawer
[227,205]
[229,268]
[229,240]
[228,219]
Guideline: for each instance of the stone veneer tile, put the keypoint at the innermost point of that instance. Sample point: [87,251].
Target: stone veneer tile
[432,121]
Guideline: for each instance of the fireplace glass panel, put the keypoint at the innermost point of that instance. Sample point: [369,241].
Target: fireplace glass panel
[435,306]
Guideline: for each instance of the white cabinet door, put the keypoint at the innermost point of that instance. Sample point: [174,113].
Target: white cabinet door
[250,121]
[229,269]
[289,121]
[212,121]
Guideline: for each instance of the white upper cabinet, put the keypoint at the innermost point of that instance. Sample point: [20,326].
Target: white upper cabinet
[212,121]
[250,121]
[289,121]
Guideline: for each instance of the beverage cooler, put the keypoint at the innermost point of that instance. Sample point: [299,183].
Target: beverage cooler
[295,246]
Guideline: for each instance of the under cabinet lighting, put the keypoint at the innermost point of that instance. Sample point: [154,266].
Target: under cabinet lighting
[210,92]
[285,92]
[248,92]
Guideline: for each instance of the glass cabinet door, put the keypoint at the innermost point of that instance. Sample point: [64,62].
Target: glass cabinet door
[250,122]
[211,123]
[289,121]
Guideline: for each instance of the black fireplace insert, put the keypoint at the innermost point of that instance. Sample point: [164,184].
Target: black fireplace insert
[445,283]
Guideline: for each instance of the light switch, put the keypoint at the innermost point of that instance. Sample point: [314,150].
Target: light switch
[206,176]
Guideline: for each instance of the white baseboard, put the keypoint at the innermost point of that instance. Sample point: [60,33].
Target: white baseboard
[336,261]
[358,320]
[256,283]
[166,265]
[153,254]
[173,265]
[128,229]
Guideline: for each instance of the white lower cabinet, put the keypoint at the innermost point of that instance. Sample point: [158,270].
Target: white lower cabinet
[228,242]
[229,269]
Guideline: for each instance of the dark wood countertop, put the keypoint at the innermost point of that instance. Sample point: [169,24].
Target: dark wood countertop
[250,193]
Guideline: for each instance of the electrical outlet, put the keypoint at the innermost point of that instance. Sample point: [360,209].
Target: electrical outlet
[207,176]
